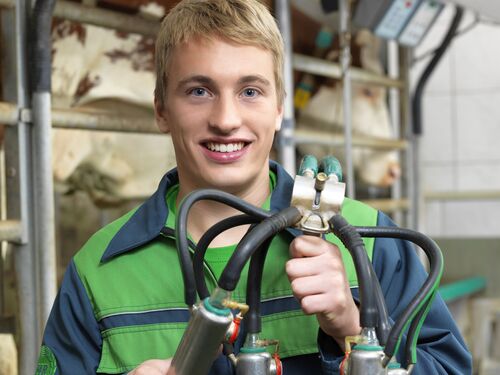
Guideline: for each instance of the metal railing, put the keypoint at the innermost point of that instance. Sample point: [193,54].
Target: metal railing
[451,195]
[329,69]
[78,118]
[388,205]
[99,17]
[10,230]
[322,137]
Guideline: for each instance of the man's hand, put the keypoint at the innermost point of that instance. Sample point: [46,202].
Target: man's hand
[152,367]
[319,282]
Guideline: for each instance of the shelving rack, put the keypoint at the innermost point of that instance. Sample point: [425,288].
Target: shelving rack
[30,207]
[396,81]
[29,228]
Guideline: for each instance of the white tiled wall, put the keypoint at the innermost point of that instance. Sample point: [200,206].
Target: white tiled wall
[460,148]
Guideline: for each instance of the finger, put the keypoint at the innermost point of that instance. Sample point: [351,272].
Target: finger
[324,304]
[303,267]
[162,364]
[153,367]
[309,246]
[305,286]
[168,364]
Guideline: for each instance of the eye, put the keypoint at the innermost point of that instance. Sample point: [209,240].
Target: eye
[250,93]
[198,91]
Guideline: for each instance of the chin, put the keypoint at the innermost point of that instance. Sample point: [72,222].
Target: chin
[229,185]
[226,174]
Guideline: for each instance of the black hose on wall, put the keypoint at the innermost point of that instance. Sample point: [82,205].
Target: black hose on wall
[417,96]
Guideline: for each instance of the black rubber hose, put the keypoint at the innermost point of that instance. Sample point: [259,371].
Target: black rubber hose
[436,263]
[383,325]
[41,39]
[204,242]
[267,228]
[181,231]
[369,313]
[330,6]
[419,90]
[254,286]
[412,331]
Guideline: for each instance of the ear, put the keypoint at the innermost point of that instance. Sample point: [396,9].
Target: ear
[161,119]
[279,118]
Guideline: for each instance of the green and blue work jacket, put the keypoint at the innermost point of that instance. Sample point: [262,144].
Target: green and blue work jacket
[122,300]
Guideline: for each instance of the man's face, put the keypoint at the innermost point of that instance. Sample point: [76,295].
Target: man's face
[222,112]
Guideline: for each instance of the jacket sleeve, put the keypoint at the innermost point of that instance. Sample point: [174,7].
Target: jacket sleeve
[72,340]
[440,347]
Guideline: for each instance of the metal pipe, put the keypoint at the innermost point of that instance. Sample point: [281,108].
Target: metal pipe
[329,69]
[462,195]
[388,205]
[328,138]
[106,18]
[3,216]
[395,116]
[20,198]
[411,165]
[345,58]
[286,143]
[414,182]
[8,114]
[42,142]
[86,119]
[10,230]
[44,204]
[99,17]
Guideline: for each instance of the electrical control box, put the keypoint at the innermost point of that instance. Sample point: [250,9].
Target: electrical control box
[420,23]
[395,19]
[406,21]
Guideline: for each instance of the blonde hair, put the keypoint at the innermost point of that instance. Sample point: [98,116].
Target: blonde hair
[245,22]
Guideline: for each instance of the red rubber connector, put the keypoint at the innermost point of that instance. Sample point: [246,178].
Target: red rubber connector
[279,365]
[235,330]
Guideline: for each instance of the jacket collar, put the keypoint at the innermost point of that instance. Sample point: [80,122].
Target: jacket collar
[146,223]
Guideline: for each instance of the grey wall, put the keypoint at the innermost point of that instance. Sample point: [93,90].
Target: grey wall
[460,148]
[472,257]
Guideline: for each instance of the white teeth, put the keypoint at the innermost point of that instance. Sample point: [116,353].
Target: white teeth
[224,147]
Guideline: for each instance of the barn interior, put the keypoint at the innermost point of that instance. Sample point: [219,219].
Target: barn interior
[402,92]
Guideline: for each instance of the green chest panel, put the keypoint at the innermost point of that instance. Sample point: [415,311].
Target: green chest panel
[148,281]
[160,288]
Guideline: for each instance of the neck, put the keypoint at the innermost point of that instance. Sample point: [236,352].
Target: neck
[203,214]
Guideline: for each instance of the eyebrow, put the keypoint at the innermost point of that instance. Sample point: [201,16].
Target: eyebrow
[254,78]
[204,80]
[196,79]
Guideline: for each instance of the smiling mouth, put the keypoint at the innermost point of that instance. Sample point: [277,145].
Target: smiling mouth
[225,147]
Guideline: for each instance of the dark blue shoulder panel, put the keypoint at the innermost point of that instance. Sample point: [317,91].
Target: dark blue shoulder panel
[441,349]
[72,333]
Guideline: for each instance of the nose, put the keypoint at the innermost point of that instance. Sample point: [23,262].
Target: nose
[225,116]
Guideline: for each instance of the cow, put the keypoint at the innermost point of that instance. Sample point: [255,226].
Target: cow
[370,117]
[8,354]
[98,68]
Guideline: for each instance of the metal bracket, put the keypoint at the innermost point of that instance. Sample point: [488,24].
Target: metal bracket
[25,115]
[318,202]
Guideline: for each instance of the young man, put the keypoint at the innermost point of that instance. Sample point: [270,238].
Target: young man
[220,96]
